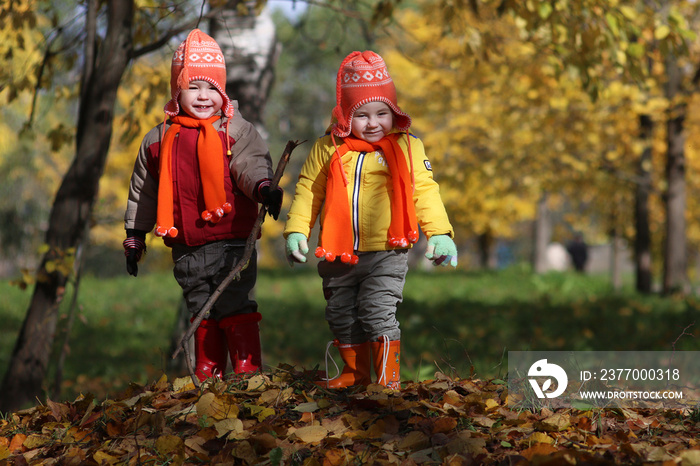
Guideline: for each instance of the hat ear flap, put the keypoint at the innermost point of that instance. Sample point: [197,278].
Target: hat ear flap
[183,81]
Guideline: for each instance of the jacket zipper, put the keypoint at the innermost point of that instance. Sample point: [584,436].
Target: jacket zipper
[355,208]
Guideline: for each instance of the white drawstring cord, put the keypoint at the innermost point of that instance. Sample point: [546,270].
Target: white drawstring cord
[385,358]
[328,355]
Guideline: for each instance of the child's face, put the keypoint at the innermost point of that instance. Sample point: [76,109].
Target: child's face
[201,100]
[372,121]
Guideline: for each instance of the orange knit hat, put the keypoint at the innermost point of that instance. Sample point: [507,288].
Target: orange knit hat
[363,78]
[198,58]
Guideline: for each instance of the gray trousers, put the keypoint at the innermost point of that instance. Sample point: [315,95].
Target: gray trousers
[361,299]
[200,269]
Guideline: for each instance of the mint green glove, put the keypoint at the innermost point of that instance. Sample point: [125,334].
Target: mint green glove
[296,247]
[442,250]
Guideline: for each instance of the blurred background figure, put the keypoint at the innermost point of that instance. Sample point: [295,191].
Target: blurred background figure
[578,250]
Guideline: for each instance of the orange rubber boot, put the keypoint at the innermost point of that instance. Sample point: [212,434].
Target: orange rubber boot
[243,337]
[210,351]
[386,356]
[357,369]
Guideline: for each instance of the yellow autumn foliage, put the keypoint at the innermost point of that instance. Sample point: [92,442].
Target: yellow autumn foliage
[504,121]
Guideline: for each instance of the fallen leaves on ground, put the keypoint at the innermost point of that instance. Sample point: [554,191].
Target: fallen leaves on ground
[282,418]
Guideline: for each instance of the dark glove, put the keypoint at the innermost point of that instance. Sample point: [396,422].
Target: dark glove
[271,199]
[134,247]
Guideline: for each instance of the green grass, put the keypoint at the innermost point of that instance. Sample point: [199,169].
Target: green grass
[455,321]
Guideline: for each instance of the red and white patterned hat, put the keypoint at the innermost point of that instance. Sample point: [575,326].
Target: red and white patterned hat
[362,78]
[198,58]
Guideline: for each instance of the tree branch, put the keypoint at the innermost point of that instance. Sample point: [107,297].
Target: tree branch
[170,33]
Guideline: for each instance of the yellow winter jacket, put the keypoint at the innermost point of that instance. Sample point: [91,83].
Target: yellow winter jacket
[369,191]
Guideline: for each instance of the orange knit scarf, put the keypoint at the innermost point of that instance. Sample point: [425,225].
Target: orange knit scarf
[209,156]
[337,234]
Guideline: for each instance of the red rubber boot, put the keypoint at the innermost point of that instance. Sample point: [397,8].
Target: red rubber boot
[210,350]
[243,337]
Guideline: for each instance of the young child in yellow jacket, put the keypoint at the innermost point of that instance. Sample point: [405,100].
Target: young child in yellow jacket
[372,185]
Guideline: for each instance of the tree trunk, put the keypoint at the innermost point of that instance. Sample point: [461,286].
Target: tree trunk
[675,261]
[642,241]
[487,258]
[250,47]
[542,234]
[71,210]
[615,260]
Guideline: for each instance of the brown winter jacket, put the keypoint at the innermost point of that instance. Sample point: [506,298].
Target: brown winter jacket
[249,164]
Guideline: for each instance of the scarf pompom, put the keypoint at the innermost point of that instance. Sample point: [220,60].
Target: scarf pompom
[163,232]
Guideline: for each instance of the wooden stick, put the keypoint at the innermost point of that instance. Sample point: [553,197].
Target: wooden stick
[235,273]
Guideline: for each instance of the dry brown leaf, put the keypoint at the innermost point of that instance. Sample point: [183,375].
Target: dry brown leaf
[195,443]
[651,453]
[269,396]
[483,421]
[216,407]
[74,456]
[4,452]
[338,457]
[688,458]
[455,460]
[538,449]
[257,382]
[264,441]
[422,456]
[335,426]
[228,426]
[310,434]
[245,451]
[35,441]
[169,445]
[554,423]
[59,410]
[355,421]
[308,407]
[261,412]
[102,457]
[455,410]
[183,384]
[444,424]
[465,444]
[414,441]
[491,404]
[537,437]
[453,398]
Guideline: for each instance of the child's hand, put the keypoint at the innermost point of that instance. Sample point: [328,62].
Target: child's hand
[296,247]
[442,250]
[134,246]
